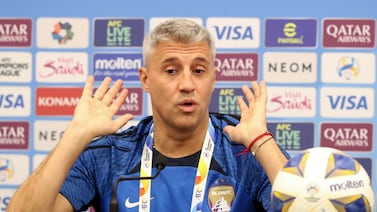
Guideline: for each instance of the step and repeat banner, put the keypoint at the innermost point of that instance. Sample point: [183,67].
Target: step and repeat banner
[318,59]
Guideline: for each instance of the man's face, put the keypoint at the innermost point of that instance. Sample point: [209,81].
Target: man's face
[180,79]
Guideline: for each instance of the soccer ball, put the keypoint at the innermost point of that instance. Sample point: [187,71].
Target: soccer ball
[322,179]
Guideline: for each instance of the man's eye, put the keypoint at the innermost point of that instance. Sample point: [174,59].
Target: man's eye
[198,71]
[170,71]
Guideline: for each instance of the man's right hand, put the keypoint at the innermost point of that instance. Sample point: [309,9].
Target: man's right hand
[94,113]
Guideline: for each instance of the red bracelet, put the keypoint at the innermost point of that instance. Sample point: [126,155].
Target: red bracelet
[248,149]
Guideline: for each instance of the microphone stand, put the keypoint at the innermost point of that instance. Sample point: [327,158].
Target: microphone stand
[160,165]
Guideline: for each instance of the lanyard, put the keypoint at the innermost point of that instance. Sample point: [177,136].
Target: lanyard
[201,172]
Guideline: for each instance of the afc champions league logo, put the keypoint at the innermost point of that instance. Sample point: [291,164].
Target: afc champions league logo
[348,67]
[6,169]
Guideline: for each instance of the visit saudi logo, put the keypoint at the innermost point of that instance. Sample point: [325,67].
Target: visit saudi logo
[62,32]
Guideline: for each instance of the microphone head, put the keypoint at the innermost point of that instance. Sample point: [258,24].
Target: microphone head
[160,161]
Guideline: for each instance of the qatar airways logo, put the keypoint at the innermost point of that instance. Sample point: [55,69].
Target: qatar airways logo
[133,103]
[347,136]
[236,66]
[14,135]
[355,33]
[15,32]
[291,102]
[61,67]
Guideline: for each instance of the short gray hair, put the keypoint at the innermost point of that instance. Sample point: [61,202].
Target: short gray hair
[178,30]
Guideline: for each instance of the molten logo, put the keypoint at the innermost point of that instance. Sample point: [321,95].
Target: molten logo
[347,185]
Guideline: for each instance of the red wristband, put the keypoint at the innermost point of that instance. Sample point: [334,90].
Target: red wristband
[248,149]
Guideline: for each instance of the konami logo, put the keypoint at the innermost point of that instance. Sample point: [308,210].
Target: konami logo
[62,101]
[56,101]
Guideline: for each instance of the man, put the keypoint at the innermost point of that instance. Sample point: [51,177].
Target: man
[206,169]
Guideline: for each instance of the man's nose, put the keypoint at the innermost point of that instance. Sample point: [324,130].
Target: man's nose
[186,82]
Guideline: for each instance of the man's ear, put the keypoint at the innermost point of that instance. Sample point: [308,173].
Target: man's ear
[143,76]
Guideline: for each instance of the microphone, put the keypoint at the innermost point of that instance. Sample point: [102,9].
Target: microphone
[160,162]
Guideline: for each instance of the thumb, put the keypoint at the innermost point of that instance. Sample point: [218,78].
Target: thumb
[122,120]
[228,129]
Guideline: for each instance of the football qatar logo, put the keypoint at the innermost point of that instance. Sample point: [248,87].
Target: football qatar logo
[62,32]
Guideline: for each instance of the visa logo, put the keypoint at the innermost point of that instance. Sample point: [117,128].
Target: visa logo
[4,202]
[11,101]
[234,32]
[348,102]
[343,102]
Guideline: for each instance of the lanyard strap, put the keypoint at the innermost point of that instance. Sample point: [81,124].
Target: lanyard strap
[201,172]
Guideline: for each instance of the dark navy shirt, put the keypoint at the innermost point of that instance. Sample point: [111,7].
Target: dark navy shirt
[234,183]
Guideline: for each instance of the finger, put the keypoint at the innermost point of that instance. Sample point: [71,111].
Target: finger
[101,90]
[119,100]
[112,92]
[122,120]
[228,129]
[242,104]
[256,89]
[262,91]
[88,87]
[248,94]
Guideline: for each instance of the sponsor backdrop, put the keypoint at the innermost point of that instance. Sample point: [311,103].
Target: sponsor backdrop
[318,58]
